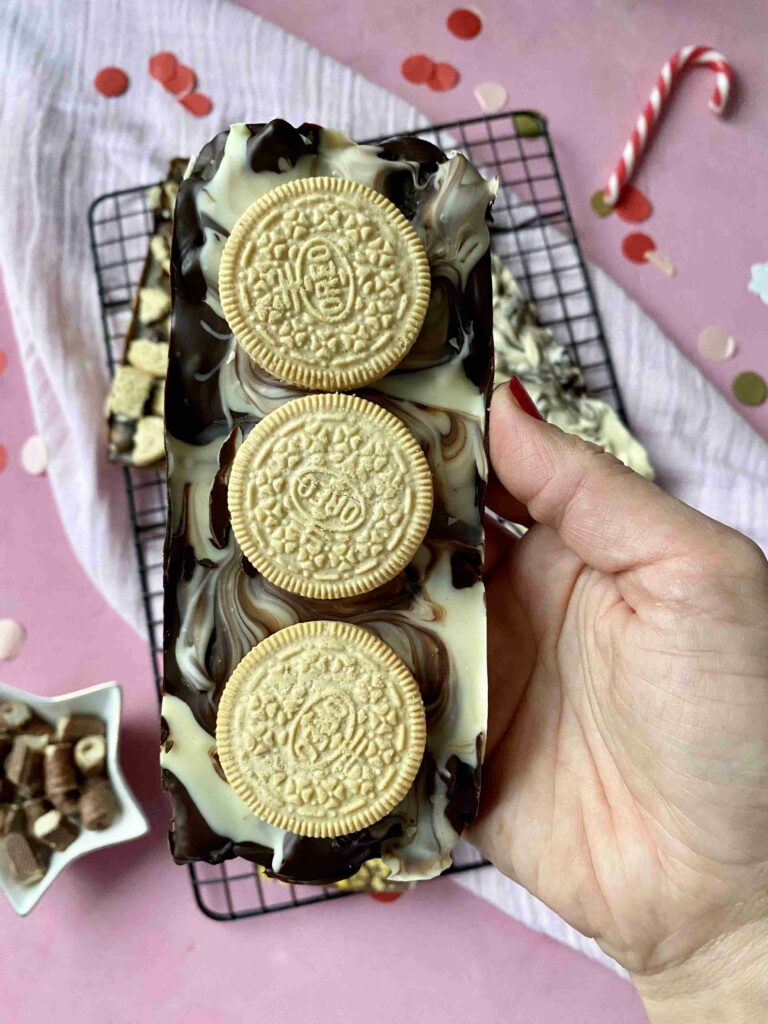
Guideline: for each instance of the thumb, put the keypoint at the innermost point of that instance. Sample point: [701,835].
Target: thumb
[610,517]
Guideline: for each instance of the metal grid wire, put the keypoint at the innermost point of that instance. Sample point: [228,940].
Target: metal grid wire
[533,233]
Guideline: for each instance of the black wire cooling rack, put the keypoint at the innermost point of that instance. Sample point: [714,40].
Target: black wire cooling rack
[533,233]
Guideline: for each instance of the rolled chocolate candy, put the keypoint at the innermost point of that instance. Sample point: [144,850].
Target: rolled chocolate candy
[68,803]
[6,742]
[7,790]
[32,810]
[24,764]
[24,859]
[59,767]
[91,756]
[71,728]
[11,818]
[14,715]
[219,604]
[38,726]
[98,805]
[56,831]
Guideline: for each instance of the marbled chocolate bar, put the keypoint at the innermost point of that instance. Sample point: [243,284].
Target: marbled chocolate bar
[217,606]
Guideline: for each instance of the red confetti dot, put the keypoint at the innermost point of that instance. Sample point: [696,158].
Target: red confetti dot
[633,205]
[443,77]
[197,103]
[3,361]
[636,245]
[3,457]
[183,81]
[162,66]
[111,81]
[385,897]
[464,24]
[417,68]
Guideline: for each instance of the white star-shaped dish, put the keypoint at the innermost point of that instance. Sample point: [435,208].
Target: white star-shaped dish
[105,701]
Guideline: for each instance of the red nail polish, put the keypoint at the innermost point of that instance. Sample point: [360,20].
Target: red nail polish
[523,399]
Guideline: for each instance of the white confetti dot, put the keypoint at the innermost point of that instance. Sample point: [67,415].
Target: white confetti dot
[492,96]
[716,344]
[34,455]
[12,637]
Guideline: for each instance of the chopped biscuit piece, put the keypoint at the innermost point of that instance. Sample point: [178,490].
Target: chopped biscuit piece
[157,403]
[154,304]
[171,187]
[130,391]
[149,441]
[150,322]
[161,249]
[149,356]
[155,197]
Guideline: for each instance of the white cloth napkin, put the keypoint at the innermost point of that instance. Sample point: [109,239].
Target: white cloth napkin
[65,144]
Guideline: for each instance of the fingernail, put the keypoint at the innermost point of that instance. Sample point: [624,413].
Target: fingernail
[523,399]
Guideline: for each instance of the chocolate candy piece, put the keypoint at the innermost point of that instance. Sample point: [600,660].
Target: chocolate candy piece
[11,818]
[98,805]
[59,765]
[68,803]
[6,742]
[24,859]
[14,715]
[34,809]
[37,726]
[431,614]
[73,727]
[24,764]
[54,830]
[91,756]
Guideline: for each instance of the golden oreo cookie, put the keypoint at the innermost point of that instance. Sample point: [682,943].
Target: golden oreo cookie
[324,283]
[321,729]
[330,496]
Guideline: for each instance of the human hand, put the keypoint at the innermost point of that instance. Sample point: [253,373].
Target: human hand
[626,774]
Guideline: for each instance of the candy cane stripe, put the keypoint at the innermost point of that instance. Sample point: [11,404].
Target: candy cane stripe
[687,56]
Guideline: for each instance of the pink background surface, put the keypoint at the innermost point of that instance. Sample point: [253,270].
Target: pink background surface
[589,66]
[120,929]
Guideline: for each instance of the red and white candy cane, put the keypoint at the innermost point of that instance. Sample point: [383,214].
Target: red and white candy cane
[702,56]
